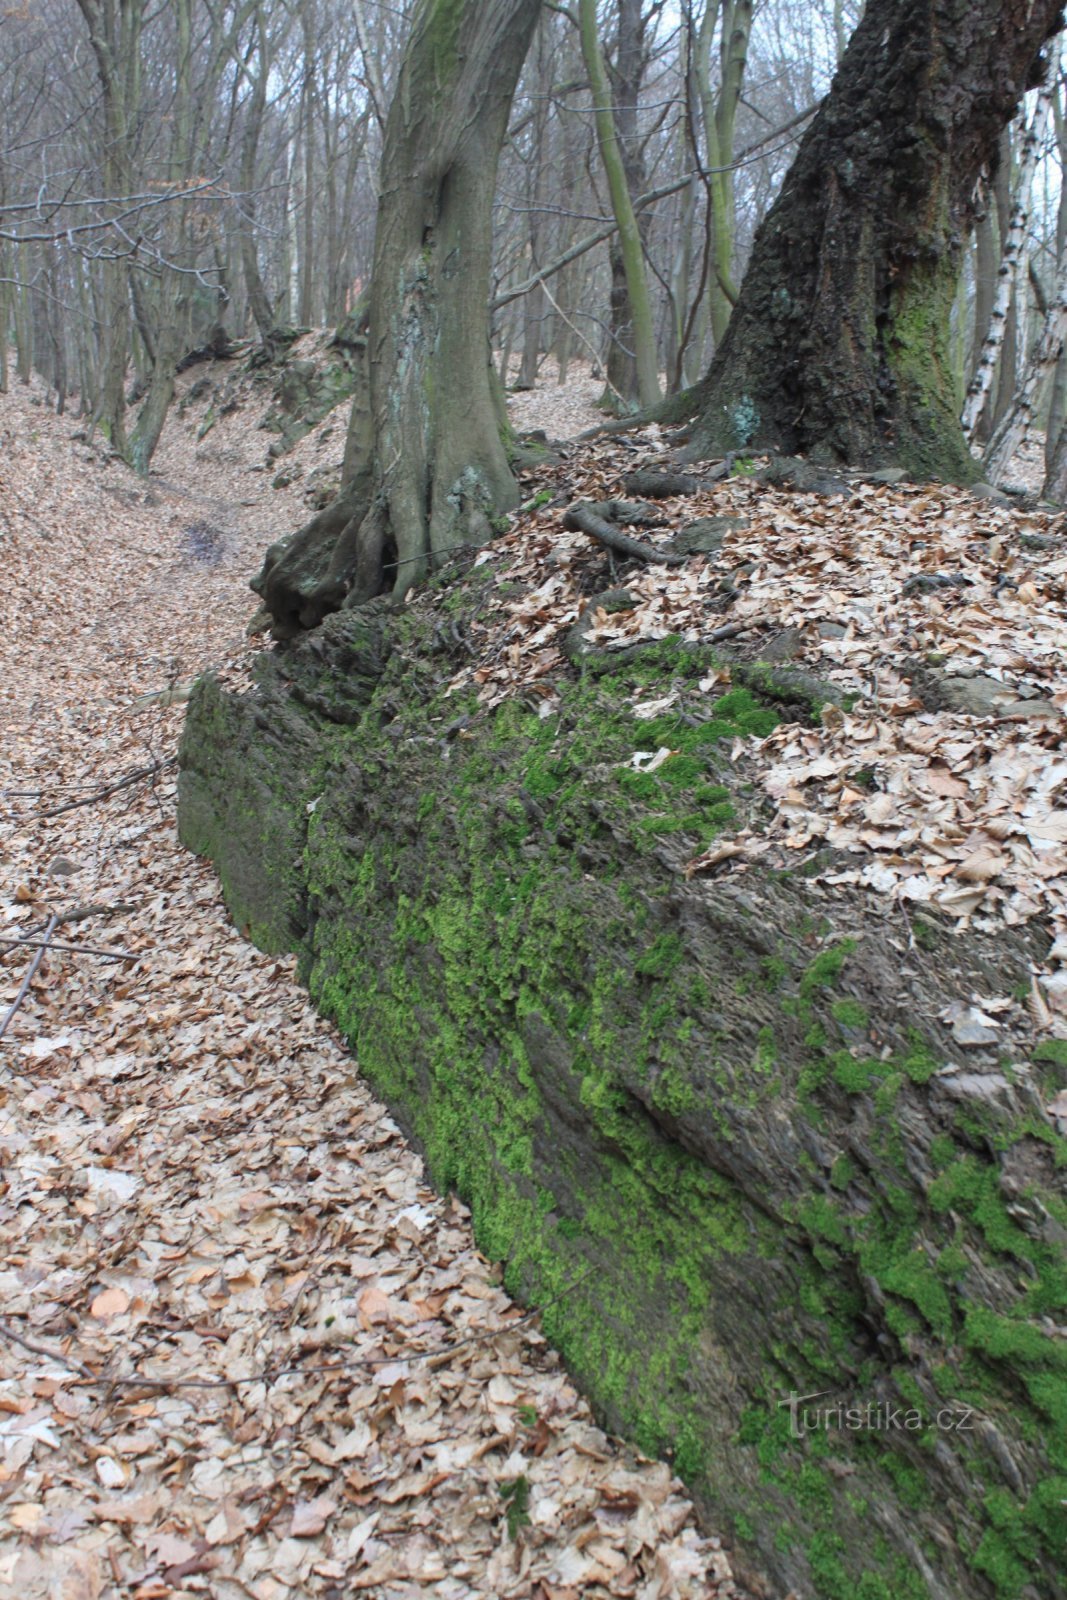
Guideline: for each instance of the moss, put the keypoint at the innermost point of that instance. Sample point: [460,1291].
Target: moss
[826,968]
[849,1013]
[773,973]
[661,958]
[842,1172]
[916,341]
[912,1277]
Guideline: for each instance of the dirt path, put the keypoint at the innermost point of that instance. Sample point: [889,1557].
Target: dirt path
[313,1384]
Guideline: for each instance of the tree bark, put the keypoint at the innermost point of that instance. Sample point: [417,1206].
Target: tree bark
[1010,277]
[1014,426]
[258,300]
[720,116]
[839,345]
[633,363]
[433,471]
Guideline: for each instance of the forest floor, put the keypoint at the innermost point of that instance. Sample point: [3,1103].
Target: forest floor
[333,1394]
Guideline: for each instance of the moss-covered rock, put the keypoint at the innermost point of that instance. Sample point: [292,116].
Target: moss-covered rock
[712,1126]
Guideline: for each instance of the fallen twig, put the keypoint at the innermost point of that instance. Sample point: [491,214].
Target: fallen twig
[78,949]
[660,485]
[582,518]
[7,1332]
[105,791]
[83,913]
[31,973]
[730,630]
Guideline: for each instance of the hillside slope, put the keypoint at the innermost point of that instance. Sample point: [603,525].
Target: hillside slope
[698,905]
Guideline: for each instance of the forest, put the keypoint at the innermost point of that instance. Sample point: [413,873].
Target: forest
[533,988]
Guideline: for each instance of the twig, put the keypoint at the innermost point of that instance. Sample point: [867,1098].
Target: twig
[585,520]
[104,791]
[83,913]
[8,1332]
[730,630]
[31,973]
[78,949]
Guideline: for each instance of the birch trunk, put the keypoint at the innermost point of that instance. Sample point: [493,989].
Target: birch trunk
[1009,274]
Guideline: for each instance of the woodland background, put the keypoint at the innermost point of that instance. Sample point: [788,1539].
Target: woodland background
[205,171]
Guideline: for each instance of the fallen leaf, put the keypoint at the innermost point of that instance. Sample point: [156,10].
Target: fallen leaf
[311,1516]
[110,1303]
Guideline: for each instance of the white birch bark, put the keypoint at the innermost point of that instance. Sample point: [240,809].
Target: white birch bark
[1018,420]
[1010,275]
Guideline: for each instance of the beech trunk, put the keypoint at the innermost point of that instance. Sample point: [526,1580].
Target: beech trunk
[428,471]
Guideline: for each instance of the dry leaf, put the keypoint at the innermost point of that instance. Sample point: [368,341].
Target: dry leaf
[311,1516]
[110,1303]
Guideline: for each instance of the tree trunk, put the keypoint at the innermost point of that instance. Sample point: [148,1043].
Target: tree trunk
[56,332]
[1011,277]
[986,260]
[167,350]
[540,191]
[720,116]
[258,299]
[306,314]
[1055,438]
[839,345]
[1014,426]
[632,363]
[432,471]
[23,317]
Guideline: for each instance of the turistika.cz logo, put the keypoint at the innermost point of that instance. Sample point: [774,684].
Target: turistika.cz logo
[806,1416]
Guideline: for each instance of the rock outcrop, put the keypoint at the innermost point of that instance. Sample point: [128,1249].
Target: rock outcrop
[713,1125]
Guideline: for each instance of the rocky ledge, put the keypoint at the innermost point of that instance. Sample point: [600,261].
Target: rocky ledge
[714,1125]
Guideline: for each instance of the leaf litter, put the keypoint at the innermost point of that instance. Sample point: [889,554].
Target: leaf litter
[244,1349]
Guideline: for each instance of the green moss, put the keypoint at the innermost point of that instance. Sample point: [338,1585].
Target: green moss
[842,1172]
[661,958]
[826,968]
[849,1013]
[916,342]
[920,1063]
[913,1278]
[855,1077]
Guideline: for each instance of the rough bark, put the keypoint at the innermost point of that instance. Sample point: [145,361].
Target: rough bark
[839,345]
[437,472]
[115,28]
